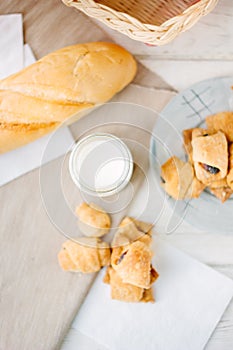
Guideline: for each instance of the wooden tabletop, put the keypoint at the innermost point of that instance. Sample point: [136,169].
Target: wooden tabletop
[49,25]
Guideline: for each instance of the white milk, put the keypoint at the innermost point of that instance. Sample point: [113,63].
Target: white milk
[101,164]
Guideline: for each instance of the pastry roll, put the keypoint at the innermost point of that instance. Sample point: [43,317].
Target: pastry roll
[210,156]
[126,291]
[188,135]
[134,265]
[93,220]
[177,177]
[131,261]
[131,230]
[230,174]
[65,261]
[122,291]
[87,255]
[128,233]
[221,122]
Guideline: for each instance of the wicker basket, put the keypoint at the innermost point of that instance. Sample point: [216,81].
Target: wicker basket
[155,22]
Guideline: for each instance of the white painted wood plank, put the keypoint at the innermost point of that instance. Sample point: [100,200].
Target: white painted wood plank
[213,249]
[182,74]
[222,337]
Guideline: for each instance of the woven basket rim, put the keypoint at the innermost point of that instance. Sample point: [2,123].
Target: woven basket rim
[136,29]
[148,25]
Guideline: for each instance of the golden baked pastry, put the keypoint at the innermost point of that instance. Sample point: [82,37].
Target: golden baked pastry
[131,274]
[222,193]
[128,233]
[219,183]
[148,296]
[188,135]
[221,122]
[177,177]
[142,226]
[196,188]
[93,220]
[126,291]
[200,132]
[230,174]
[65,261]
[210,156]
[120,290]
[69,81]
[87,255]
[134,265]
[131,230]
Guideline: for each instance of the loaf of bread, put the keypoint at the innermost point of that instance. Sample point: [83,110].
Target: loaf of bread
[69,81]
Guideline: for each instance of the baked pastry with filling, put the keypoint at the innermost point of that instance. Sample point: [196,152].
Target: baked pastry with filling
[208,153]
[87,255]
[134,264]
[222,121]
[120,290]
[230,174]
[93,220]
[188,135]
[177,177]
[131,274]
[126,291]
[210,156]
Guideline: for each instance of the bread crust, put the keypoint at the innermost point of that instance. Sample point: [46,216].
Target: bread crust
[67,82]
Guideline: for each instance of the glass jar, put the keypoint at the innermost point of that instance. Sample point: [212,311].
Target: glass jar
[101,164]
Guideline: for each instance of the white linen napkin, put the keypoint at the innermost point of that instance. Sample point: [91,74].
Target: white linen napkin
[11,44]
[190,300]
[24,159]
[28,55]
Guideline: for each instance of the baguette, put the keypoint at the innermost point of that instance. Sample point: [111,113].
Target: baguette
[69,81]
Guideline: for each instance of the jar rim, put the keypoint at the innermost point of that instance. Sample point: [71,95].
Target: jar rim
[119,183]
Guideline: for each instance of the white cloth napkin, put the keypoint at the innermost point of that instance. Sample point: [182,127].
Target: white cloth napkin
[11,44]
[190,300]
[13,57]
